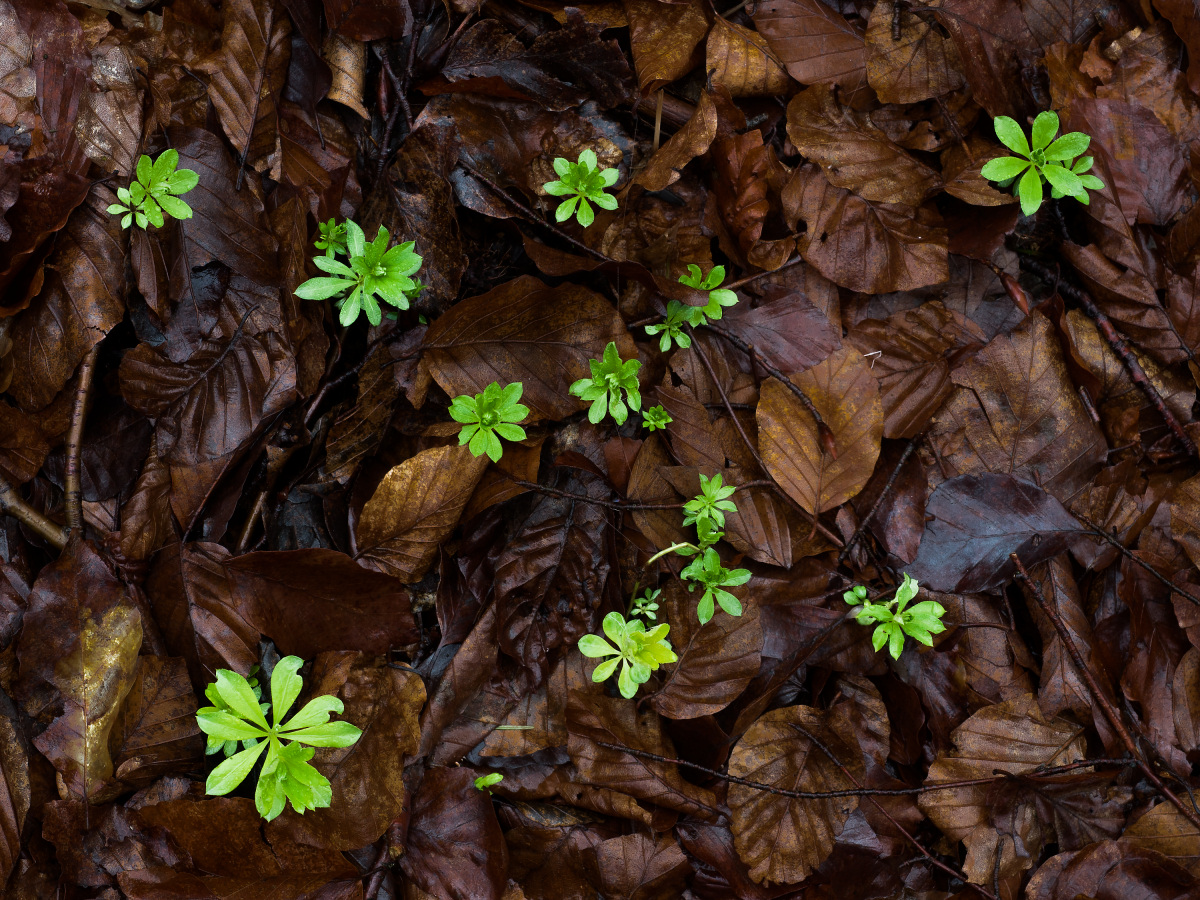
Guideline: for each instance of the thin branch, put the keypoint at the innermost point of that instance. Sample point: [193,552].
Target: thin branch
[13,505]
[887,489]
[1098,695]
[1096,531]
[583,498]
[1119,346]
[734,285]
[83,393]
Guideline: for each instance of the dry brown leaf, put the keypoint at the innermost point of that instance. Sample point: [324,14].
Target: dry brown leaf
[690,141]
[868,247]
[1165,830]
[665,39]
[920,65]
[782,840]
[741,60]
[813,41]
[347,60]
[846,394]
[853,153]
[415,508]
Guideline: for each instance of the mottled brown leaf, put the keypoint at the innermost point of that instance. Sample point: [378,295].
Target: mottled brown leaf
[665,38]
[814,42]
[156,732]
[1166,831]
[740,59]
[920,65]
[14,787]
[690,141]
[846,394]
[638,867]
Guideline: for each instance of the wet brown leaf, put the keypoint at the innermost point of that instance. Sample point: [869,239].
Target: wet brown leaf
[455,846]
[1014,411]
[853,153]
[920,65]
[665,38]
[1012,737]
[15,795]
[156,732]
[740,59]
[912,353]
[525,331]
[109,126]
[309,601]
[867,247]
[782,839]
[788,331]
[369,20]
[846,394]
[1165,830]
[415,508]
[367,777]
[347,59]
[716,660]
[638,867]
[1110,871]
[78,649]
[814,42]
[690,141]
[747,195]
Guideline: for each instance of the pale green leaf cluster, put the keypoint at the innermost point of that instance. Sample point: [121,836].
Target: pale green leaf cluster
[610,376]
[637,651]
[484,782]
[656,418]
[237,715]
[647,604]
[1042,159]
[494,411]
[707,572]
[680,314]
[154,190]
[373,272]
[895,619]
[580,182]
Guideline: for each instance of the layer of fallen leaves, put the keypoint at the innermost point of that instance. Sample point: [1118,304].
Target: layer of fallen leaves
[258,481]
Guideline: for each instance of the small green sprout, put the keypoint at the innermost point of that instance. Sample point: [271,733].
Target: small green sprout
[580,182]
[707,570]
[494,411]
[610,376]
[656,418]
[332,238]
[1042,160]
[919,621]
[484,782]
[711,503]
[717,297]
[237,715]
[671,328]
[151,192]
[374,270]
[647,604]
[637,651]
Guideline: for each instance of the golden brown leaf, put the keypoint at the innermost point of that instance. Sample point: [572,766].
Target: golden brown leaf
[749,179]
[813,41]
[1165,830]
[665,38]
[1015,412]
[415,508]
[156,733]
[347,60]
[913,353]
[690,141]
[846,394]
[783,839]
[873,248]
[962,176]
[920,65]
[741,60]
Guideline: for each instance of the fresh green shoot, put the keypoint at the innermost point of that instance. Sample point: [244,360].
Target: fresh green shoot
[717,297]
[711,503]
[152,191]
[230,747]
[495,411]
[610,376]
[638,651]
[707,534]
[656,418]
[373,271]
[671,328]
[706,570]
[484,782]
[580,182]
[895,619]
[332,238]
[237,715]
[647,604]
[1042,160]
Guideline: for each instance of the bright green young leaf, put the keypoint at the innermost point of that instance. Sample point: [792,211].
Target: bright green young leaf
[489,416]
[581,182]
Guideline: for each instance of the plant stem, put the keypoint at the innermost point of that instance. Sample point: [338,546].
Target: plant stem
[83,391]
[12,504]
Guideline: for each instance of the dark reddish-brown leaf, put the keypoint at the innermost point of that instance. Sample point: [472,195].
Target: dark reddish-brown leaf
[156,732]
[814,42]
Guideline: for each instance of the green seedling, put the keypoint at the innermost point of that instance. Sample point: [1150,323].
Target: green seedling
[710,504]
[154,191]
[647,605]
[706,571]
[672,327]
[580,182]
[495,411]
[484,782]
[374,271]
[717,297]
[637,651]
[895,618]
[237,715]
[332,238]
[1040,160]
[610,376]
[656,418]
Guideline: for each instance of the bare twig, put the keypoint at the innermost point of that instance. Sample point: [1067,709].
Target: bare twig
[887,489]
[583,498]
[13,505]
[1098,695]
[83,393]
[1096,531]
